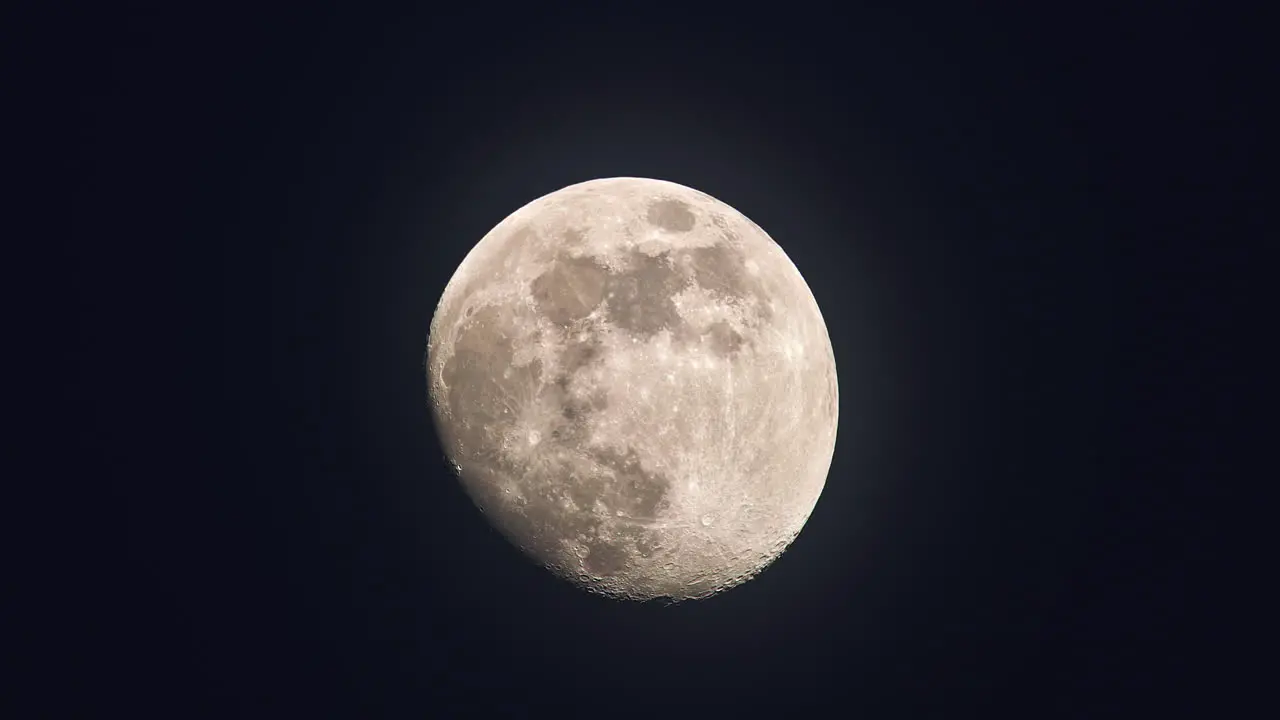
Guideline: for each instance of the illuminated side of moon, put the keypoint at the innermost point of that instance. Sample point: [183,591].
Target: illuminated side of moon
[636,386]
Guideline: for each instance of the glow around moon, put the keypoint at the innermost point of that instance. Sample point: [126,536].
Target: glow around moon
[636,386]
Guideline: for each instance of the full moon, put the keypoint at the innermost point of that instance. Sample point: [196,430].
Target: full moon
[634,383]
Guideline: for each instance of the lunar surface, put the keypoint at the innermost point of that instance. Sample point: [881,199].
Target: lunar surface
[635,385]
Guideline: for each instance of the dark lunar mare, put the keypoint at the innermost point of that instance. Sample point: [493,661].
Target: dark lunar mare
[671,214]
[640,299]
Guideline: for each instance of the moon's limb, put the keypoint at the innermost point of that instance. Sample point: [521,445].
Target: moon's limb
[637,386]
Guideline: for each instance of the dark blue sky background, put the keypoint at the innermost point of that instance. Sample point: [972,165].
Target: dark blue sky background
[984,204]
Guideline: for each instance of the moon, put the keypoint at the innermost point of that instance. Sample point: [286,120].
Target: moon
[634,383]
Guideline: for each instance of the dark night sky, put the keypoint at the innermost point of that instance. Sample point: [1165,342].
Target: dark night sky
[273,202]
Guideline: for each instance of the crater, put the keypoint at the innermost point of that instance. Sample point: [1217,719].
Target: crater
[569,290]
[670,214]
[640,299]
